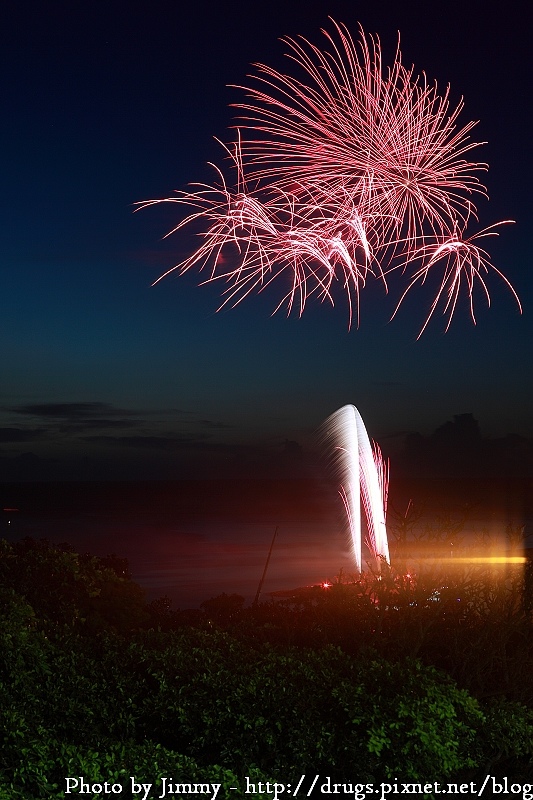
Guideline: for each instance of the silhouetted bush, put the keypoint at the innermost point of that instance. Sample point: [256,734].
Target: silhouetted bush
[340,682]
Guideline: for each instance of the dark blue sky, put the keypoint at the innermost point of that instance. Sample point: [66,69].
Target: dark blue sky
[106,104]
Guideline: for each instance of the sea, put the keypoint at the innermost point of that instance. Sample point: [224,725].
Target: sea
[192,540]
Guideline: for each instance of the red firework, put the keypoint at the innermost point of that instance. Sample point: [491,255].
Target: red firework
[463,262]
[349,125]
[352,167]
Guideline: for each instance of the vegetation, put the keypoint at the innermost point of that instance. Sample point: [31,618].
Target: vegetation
[388,677]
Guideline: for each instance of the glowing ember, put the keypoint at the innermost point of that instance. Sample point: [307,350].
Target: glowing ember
[362,473]
[348,172]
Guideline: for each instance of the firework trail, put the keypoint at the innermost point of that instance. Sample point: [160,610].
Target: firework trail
[463,261]
[362,474]
[349,172]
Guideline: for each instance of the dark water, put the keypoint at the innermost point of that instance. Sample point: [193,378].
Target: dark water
[191,540]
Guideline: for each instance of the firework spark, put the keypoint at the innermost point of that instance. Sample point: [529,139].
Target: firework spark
[305,236]
[347,125]
[345,173]
[462,261]
[362,474]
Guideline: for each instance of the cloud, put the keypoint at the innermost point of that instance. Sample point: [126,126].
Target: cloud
[20,434]
[141,442]
[103,415]
[90,424]
[119,441]
[208,423]
[173,443]
[72,411]
[73,418]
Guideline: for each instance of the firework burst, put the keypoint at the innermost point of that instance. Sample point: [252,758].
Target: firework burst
[347,172]
[350,125]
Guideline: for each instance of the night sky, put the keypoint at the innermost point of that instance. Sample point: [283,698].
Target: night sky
[107,377]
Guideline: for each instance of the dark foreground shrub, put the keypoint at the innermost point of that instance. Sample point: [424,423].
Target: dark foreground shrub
[293,711]
[84,692]
[45,764]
